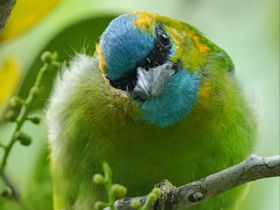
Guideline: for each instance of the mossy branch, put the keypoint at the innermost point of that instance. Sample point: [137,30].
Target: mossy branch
[18,113]
[186,196]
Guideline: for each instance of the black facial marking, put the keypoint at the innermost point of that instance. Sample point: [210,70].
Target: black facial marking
[157,56]
[126,82]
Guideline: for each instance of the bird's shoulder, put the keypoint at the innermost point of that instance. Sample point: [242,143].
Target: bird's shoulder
[66,89]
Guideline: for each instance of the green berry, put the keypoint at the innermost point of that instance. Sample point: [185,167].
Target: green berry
[35,90]
[119,190]
[35,120]
[16,102]
[47,57]
[98,179]
[56,64]
[54,56]
[99,205]
[157,191]
[11,116]
[136,204]
[24,138]
[6,192]
[152,197]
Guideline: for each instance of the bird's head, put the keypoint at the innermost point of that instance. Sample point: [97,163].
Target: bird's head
[161,63]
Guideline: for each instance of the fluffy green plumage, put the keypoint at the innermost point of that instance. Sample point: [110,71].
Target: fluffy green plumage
[90,121]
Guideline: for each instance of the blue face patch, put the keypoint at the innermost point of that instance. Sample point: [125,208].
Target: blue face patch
[175,101]
[124,45]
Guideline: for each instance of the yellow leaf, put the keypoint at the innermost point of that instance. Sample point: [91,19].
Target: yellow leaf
[10,74]
[26,14]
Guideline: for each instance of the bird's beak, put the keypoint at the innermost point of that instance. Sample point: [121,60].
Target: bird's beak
[152,81]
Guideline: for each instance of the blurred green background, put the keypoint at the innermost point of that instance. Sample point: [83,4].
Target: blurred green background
[247,30]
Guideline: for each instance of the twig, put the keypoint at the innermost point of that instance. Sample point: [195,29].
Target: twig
[6,7]
[114,191]
[14,194]
[20,117]
[198,191]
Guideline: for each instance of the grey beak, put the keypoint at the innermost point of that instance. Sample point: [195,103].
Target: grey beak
[151,82]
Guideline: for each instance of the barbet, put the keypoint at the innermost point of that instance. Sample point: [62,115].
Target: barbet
[157,101]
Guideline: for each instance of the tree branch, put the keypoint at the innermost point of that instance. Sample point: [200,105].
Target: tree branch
[6,7]
[198,191]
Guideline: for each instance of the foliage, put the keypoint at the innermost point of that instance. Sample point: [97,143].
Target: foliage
[18,114]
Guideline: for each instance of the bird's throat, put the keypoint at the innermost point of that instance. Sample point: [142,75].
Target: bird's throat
[175,101]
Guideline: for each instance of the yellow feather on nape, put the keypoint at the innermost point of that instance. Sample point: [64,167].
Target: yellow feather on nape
[145,20]
[102,59]
[201,46]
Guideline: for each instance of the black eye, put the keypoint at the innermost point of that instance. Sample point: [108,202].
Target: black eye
[163,38]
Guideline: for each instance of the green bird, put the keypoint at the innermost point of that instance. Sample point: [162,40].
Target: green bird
[158,100]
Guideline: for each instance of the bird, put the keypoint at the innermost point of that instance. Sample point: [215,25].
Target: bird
[157,100]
